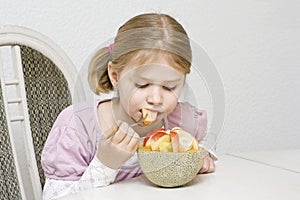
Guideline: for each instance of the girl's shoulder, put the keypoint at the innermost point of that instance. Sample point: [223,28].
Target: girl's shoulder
[75,111]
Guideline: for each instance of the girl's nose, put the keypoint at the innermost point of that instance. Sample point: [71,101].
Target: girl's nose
[155,96]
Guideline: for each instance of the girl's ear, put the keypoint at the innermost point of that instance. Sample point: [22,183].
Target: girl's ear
[112,74]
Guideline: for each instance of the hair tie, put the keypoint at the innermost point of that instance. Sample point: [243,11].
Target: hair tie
[110,47]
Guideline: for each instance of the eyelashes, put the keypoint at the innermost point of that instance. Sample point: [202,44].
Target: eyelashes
[169,88]
[142,86]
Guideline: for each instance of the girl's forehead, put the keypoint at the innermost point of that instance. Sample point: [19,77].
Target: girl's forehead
[156,72]
[148,58]
[152,66]
[157,69]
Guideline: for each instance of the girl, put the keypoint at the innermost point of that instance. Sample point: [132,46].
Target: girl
[94,144]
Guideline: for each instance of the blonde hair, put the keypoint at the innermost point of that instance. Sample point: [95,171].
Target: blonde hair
[141,39]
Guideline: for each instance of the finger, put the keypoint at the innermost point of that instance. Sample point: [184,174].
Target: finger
[126,140]
[134,142]
[120,134]
[137,116]
[205,165]
[131,133]
[212,165]
[110,132]
[131,141]
[208,165]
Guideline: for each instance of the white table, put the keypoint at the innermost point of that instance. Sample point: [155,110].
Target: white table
[285,159]
[235,179]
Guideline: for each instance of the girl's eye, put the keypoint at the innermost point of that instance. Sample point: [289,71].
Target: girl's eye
[141,85]
[169,88]
[146,85]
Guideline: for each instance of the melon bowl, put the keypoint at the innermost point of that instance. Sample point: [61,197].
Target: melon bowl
[170,169]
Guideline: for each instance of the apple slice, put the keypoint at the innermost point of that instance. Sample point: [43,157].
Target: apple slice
[195,144]
[158,138]
[147,142]
[185,139]
[165,147]
[149,116]
[175,141]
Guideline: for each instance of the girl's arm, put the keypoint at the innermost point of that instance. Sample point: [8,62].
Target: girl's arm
[96,175]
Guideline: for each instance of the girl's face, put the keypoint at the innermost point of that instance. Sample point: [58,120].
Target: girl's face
[154,86]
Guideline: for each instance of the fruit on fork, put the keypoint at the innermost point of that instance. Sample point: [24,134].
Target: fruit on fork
[148,116]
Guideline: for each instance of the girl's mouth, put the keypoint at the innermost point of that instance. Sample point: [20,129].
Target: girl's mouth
[149,116]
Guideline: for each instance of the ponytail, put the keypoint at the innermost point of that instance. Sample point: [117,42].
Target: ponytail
[98,73]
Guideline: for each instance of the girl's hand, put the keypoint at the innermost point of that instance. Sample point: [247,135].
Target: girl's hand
[208,165]
[117,145]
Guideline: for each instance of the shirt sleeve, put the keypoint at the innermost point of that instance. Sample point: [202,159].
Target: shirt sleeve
[64,156]
[68,158]
[71,145]
[96,175]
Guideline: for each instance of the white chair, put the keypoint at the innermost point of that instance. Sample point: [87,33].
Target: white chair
[38,80]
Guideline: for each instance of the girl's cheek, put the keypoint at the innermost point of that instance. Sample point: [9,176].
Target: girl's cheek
[170,101]
[135,99]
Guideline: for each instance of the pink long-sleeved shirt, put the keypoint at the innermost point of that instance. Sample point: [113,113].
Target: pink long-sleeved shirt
[68,157]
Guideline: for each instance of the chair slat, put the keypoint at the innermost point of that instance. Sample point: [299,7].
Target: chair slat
[18,67]
[12,82]
[14,100]
[17,118]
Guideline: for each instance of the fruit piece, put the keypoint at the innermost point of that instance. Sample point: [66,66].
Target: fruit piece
[165,147]
[195,144]
[185,139]
[156,139]
[175,141]
[149,116]
[147,141]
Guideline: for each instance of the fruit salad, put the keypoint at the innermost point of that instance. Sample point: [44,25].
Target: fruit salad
[174,140]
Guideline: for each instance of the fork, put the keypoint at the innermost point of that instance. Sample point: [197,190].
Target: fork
[138,123]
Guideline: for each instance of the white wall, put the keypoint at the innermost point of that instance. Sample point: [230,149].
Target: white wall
[255,46]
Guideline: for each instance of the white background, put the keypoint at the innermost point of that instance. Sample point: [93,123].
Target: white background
[254,45]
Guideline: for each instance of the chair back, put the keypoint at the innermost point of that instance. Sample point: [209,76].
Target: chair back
[38,82]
